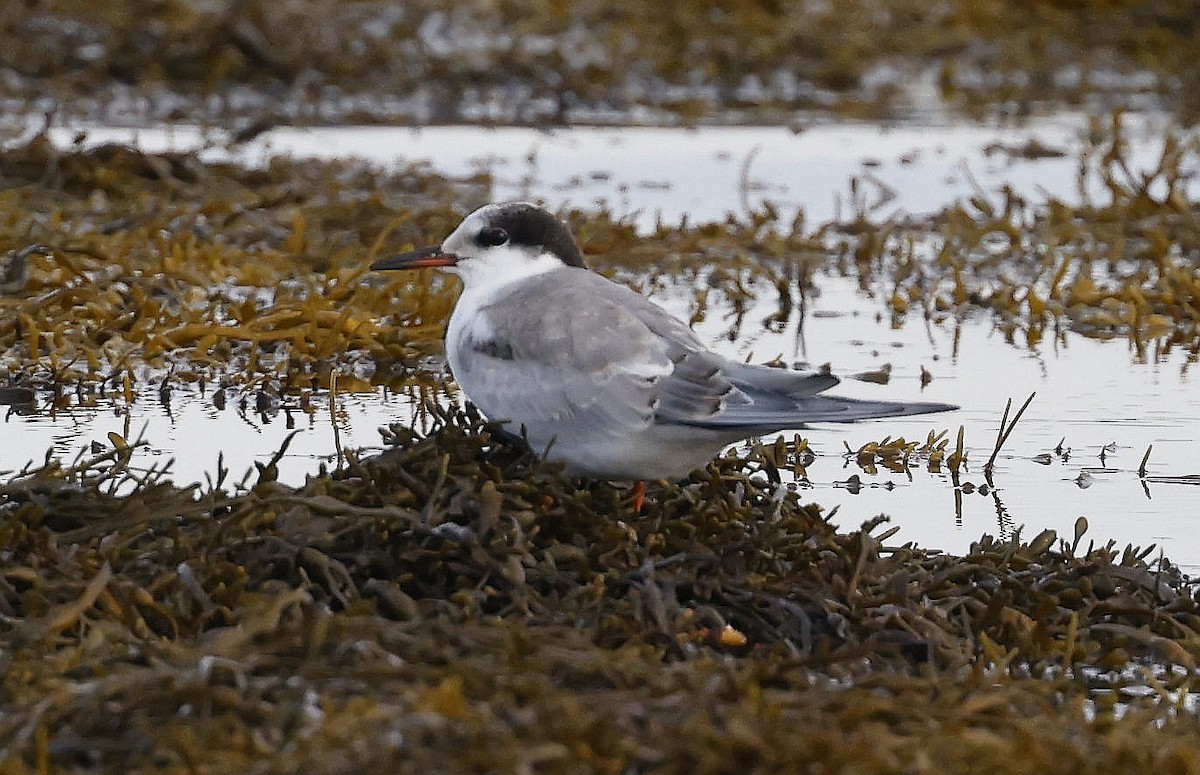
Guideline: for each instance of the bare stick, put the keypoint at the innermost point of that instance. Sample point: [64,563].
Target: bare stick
[1145,459]
[1005,431]
[337,433]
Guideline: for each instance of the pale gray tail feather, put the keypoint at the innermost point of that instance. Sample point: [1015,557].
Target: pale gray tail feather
[750,418]
[839,409]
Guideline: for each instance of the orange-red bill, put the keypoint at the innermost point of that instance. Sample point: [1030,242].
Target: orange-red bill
[417,259]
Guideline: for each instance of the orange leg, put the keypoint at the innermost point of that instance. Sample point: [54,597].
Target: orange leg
[636,494]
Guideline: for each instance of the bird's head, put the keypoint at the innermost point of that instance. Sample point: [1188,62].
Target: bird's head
[496,244]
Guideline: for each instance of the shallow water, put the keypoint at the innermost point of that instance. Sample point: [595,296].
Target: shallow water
[650,172]
[1091,396]
[1091,393]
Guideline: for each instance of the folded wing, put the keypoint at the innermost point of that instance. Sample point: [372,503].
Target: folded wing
[611,362]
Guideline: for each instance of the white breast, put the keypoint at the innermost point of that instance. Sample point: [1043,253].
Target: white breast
[468,323]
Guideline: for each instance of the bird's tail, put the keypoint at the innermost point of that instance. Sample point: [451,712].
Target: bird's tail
[775,412]
[838,409]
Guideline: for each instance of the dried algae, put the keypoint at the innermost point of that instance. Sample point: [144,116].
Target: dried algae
[453,605]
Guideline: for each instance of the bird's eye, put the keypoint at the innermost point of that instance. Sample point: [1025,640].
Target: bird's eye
[492,236]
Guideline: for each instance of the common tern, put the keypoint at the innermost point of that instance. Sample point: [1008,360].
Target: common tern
[598,376]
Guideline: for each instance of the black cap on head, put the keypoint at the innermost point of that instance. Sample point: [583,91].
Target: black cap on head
[531,226]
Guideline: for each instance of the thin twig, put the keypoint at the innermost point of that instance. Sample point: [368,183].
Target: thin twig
[744,180]
[1145,459]
[1005,431]
[337,433]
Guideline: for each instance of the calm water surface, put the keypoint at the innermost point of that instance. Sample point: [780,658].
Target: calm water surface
[1092,396]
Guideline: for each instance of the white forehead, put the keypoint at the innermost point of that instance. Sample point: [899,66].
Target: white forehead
[461,236]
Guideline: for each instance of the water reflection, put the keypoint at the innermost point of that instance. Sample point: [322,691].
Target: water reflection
[1076,453]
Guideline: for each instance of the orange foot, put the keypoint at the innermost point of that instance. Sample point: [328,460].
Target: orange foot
[637,495]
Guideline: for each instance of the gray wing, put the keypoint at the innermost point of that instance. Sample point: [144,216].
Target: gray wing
[572,344]
[709,391]
[753,410]
[565,347]
[705,389]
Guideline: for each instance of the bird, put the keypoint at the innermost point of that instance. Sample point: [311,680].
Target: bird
[595,375]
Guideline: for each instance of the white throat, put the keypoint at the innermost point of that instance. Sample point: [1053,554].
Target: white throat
[491,270]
